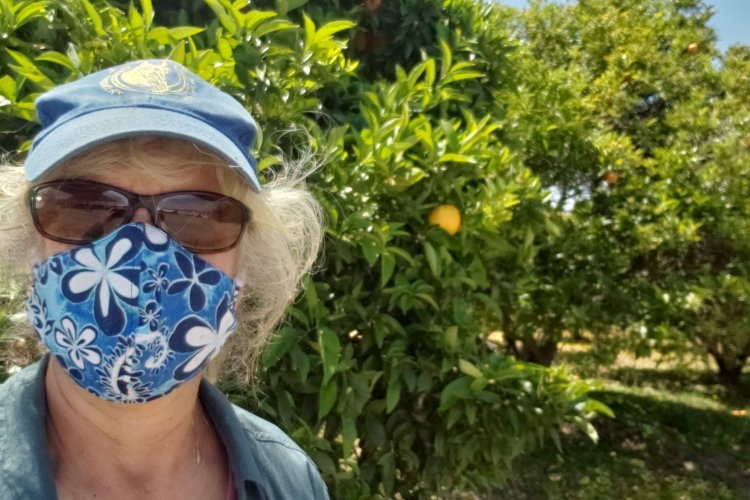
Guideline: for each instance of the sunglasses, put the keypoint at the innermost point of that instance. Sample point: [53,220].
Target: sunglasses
[78,212]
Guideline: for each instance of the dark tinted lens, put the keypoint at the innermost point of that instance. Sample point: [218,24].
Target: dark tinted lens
[202,222]
[76,212]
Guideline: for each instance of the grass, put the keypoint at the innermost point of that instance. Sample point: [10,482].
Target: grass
[677,434]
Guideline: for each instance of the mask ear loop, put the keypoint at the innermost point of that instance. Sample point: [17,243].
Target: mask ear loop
[240,280]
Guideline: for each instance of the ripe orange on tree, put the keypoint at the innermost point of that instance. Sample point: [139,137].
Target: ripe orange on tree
[372,6]
[447,217]
[611,178]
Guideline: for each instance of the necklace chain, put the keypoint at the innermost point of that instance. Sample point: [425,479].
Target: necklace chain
[197,441]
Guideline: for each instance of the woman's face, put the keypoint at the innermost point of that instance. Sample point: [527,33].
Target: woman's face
[205,179]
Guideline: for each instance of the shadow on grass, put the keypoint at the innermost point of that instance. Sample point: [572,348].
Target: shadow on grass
[655,448]
[694,377]
[699,381]
[583,358]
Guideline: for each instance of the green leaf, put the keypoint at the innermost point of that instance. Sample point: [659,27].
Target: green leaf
[279,345]
[330,29]
[490,304]
[148,12]
[429,70]
[469,368]
[447,61]
[256,17]
[456,158]
[462,75]
[29,70]
[72,54]
[370,250]
[432,258]
[425,135]
[330,348]
[182,32]
[327,398]
[455,391]
[451,336]
[387,266]
[294,4]
[94,17]
[160,35]
[270,161]
[8,88]
[324,462]
[135,20]
[428,299]
[309,31]
[29,12]
[507,373]
[178,53]
[311,297]
[348,435]
[471,413]
[404,178]
[424,381]
[393,393]
[227,21]
[403,254]
[454,415]
[555,436]
[57,58]
[479,384]
[593,405]
[300,362]
[387,462]
[589,429]
[225,49]
[273,26]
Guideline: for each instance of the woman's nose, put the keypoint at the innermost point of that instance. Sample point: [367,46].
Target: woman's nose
[142,215]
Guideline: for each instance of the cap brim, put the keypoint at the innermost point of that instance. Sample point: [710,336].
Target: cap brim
[90,129]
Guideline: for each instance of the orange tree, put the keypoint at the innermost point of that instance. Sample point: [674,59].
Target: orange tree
[390,370]
[535,291]
[620,113]
[662,211]
[563,264]
[701,288]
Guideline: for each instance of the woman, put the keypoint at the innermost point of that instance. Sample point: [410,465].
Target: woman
[150,227]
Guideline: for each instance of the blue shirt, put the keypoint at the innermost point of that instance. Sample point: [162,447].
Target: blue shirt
[266,463]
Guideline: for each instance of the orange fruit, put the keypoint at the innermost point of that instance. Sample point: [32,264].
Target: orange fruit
[447,217]
[372,6]
[693,48]
[611,178]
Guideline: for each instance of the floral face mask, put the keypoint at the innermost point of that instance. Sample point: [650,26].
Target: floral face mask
[133,315]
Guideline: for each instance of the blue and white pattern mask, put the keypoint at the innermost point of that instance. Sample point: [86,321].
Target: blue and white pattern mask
[132,315]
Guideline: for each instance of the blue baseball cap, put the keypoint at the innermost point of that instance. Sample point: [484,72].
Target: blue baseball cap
[151,97]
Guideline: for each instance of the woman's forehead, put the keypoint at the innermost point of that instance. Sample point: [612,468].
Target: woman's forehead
[148,165]
[193,178]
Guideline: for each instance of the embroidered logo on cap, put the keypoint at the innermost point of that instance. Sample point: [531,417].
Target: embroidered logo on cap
[148,77]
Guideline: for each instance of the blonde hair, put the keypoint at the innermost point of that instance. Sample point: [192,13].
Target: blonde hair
[277,251]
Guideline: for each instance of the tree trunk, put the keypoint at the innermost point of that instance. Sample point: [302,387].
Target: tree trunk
[542,353]
[730,367]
